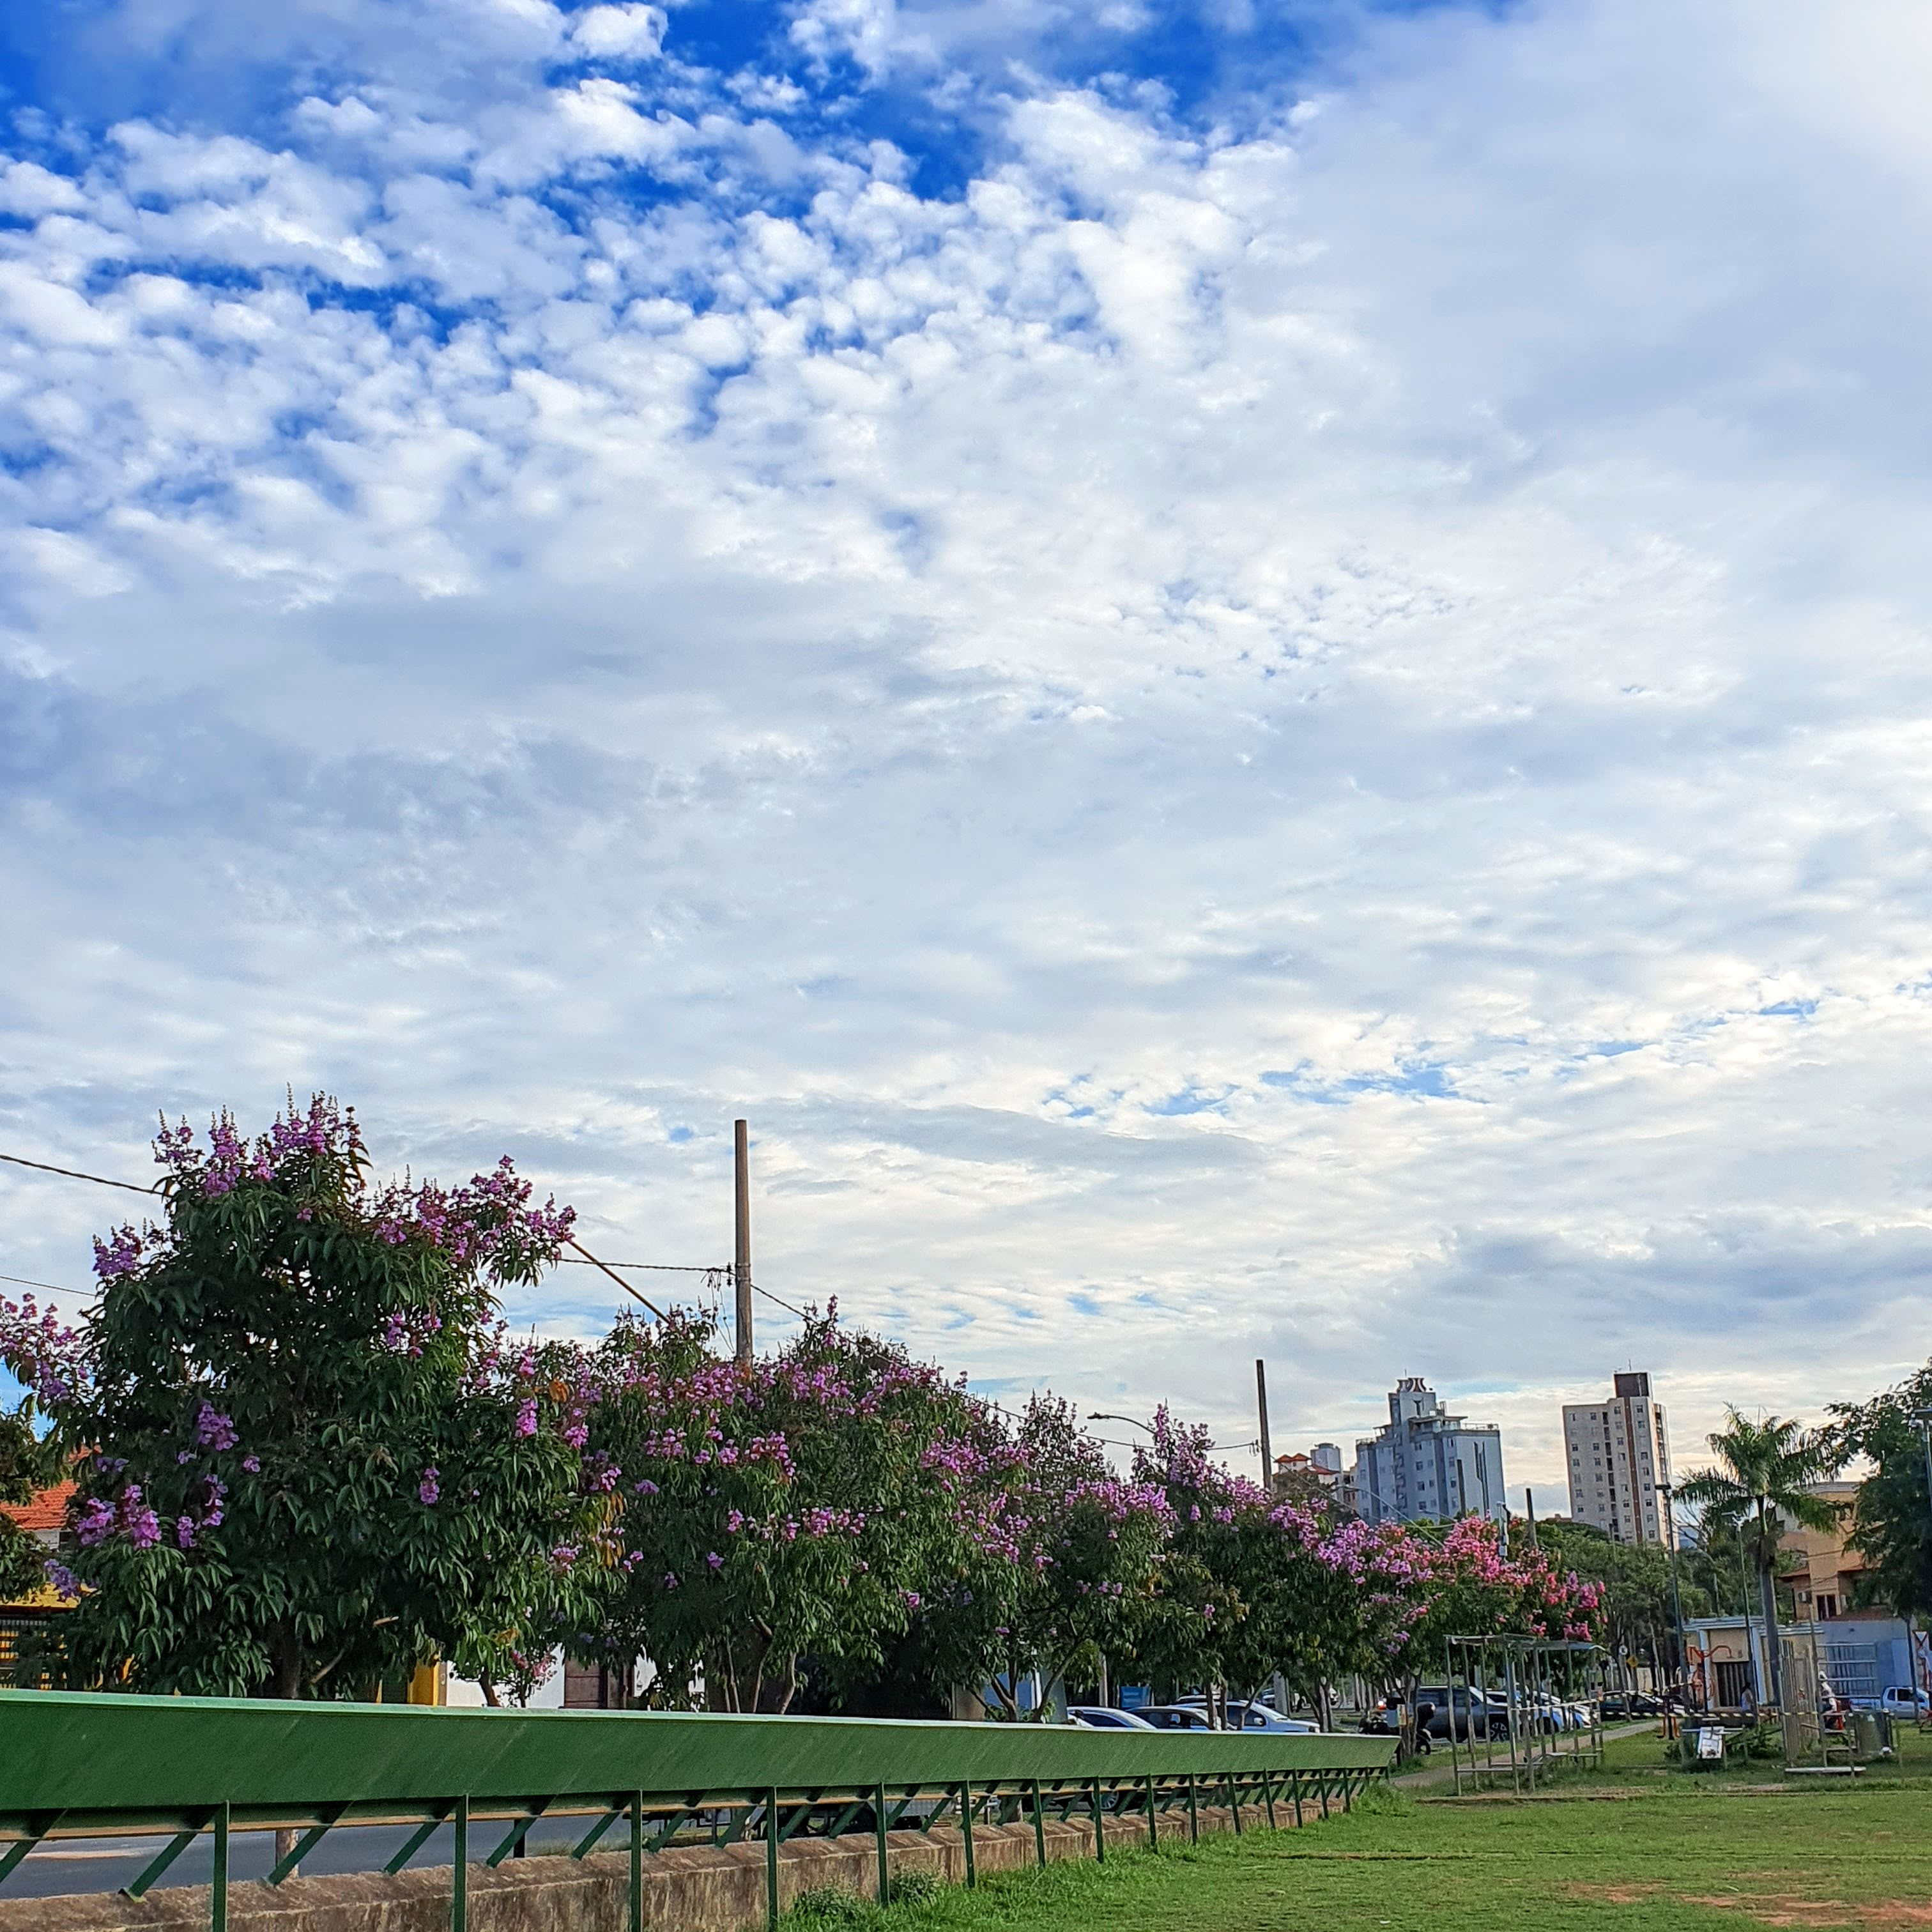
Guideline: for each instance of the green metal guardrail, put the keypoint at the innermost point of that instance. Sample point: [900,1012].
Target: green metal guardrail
[77,1764]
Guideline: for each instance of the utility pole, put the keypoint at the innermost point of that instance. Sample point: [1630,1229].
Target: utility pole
[741,1272]
[1268,1455]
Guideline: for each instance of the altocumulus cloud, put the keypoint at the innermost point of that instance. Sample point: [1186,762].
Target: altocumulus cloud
[1257,680]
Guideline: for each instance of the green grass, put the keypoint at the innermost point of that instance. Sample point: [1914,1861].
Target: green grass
[1636,1846]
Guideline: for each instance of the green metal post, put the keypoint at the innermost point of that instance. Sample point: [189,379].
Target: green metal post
[1235,1802]
[637,1861]
[459,1888]
[1099,1830]
[1193,1811]
[218,1891]
[1295,1783]
[966,1830]
[879,1823]
[1038,1825]
[771,1859]
[1267,1793]
[1153,1830]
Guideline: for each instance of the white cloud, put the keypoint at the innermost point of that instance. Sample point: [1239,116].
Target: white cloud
[629,32]
[1309,741]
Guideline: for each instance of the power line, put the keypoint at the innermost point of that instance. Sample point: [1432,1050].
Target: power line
[654,1268]
[583,1258]
[74,1174]
[21,1281]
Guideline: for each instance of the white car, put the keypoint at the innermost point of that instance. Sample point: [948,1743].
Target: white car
[1103,1717]
[1902,1701]
[1260,1717]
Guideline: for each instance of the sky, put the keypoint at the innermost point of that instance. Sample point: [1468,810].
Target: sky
[1252,672]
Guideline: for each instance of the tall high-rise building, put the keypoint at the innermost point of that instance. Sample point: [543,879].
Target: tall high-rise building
[1427,1463]
[1618,1452]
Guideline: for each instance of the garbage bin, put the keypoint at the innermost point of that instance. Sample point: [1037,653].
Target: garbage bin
[1861,1728]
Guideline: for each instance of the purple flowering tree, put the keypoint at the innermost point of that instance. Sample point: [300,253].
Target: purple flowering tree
[306,1461]
[759,1516]
[1062,1564]
[1253,1584]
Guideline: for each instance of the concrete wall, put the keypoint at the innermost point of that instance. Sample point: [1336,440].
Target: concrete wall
[703,1889]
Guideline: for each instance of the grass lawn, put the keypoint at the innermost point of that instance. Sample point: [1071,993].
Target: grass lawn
[1636,1846]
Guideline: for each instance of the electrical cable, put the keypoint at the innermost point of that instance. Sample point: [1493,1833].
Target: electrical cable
[21,1281]
[654,1268]
[75,1174]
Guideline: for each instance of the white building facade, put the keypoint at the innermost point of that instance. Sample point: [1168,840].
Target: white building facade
[1427,1464]
[1619,1452]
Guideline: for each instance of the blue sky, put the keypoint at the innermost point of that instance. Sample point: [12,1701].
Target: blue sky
[1254,674]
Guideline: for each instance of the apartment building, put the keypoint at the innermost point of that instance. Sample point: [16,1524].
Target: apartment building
[1618,1452]
[1426,1463]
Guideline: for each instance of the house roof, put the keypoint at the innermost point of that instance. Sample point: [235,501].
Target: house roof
[47,1511]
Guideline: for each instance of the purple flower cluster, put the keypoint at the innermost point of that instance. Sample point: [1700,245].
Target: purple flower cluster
[487,1223]
[50,1358]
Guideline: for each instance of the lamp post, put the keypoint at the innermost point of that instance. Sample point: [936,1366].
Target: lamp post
[1668,1491]
[1921,1420]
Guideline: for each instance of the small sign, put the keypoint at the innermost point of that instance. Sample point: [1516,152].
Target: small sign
[1710,1744]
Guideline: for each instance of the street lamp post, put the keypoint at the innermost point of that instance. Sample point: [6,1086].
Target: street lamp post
[1921,1420]
[1669,1492]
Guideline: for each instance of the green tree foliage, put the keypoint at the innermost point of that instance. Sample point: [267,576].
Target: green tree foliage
[28,1464]
[306,1463]
[1633,1588]
[1762,1475]
[1892,1523]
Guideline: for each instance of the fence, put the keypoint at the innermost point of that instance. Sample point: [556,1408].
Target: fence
[30,1649]
[79,1764]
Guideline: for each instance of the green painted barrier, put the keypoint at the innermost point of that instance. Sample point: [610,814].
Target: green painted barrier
[73,1764]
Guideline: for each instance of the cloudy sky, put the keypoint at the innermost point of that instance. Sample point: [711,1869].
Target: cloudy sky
[1253,672]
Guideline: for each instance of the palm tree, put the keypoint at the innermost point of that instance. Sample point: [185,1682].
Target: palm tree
[1761,1480]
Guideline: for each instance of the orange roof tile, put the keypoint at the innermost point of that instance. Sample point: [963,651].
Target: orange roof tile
[47,1511]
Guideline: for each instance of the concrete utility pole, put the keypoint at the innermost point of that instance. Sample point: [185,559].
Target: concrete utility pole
[1268,1456]
[741,1272]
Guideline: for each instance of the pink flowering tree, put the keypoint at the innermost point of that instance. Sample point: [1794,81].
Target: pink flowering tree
[306,1462]
[760,1517]
[1060,1564]
[1418,1585]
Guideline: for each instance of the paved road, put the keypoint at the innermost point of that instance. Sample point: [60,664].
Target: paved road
[106,1864]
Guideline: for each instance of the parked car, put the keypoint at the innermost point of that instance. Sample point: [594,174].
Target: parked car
[1901,1700]
[1176,1716]
[1104,1718]
[1260,1717]
[1488,1716]
[1618,1705]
